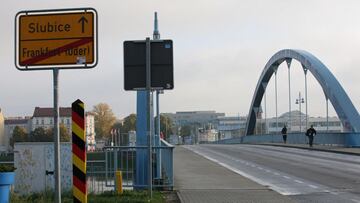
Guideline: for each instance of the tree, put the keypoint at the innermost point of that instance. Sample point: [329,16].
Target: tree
[129,123]
[104,120]
[166,125]
[19,135]
[64,133]
[185,130]
[40,135]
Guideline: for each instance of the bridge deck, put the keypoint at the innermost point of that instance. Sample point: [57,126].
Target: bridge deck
[200,180]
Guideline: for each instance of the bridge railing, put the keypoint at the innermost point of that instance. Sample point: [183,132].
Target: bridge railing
[101,173]
[336,139]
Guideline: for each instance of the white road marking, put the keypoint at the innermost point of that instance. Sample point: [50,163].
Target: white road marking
[355,200]
[298,181]
[313,186]
[284,187]
[280,190]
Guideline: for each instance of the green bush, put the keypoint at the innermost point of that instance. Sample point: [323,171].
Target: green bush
[6,168]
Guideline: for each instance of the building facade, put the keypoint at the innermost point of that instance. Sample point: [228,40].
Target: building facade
[44,118]
[3,140]
[298,123]
[90,131]
[11,123]
[231,126]
[194,117]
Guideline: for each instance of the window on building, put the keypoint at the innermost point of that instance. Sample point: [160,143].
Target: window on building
[51,121]
[37,122]
[42,121]
[68,121]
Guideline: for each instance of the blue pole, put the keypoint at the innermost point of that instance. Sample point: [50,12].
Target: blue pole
[141,175]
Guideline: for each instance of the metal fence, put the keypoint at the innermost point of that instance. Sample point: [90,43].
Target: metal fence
[101,173]
[337,139]
[101,169]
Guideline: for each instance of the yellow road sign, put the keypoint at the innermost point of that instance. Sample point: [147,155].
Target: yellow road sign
[56,38]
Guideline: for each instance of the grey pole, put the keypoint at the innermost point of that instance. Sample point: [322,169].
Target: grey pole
[57,137]
[298,101]
[266,127]
[149,108]
[289,124]
[327,114]
[156,36]
[300,110]
[276,102]
[306,100]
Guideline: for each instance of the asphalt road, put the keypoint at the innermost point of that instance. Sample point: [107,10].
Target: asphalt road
[302,175]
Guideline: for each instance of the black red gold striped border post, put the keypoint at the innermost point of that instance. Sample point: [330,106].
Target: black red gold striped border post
[79,152]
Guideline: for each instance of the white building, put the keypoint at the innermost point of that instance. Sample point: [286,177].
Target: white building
[90,131]
[194,117]
[298,123]
[44,118]
[231,126]
[209,135]
[3,140]
[11,123]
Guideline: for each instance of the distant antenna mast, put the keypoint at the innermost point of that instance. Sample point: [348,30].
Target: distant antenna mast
[156,34]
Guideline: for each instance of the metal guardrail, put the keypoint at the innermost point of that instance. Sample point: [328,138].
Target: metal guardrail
[101,173]
[338,139]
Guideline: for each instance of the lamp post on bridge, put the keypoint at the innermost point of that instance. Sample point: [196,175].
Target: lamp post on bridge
[299,101]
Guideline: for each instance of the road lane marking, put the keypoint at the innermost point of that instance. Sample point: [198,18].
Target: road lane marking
[298,181]
[281,190]
[313,186]
[288,187]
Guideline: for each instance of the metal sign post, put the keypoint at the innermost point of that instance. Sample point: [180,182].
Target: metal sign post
[149,108]
[53,40]
[57,137]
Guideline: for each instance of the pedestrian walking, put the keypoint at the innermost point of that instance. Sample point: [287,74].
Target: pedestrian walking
[284,133]
[310,133]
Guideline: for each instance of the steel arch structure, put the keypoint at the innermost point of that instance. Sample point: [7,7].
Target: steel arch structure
[332,89]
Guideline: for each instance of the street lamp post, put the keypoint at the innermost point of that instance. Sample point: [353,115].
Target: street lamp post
[299,101]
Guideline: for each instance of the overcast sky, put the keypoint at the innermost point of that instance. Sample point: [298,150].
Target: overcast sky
[220,49]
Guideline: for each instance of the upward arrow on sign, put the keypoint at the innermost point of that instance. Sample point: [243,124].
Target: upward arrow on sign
[82,20]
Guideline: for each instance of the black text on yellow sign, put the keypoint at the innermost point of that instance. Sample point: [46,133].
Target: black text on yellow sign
[63,38]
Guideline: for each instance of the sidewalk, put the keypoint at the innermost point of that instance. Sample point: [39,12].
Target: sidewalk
[199,180]
[325,148]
